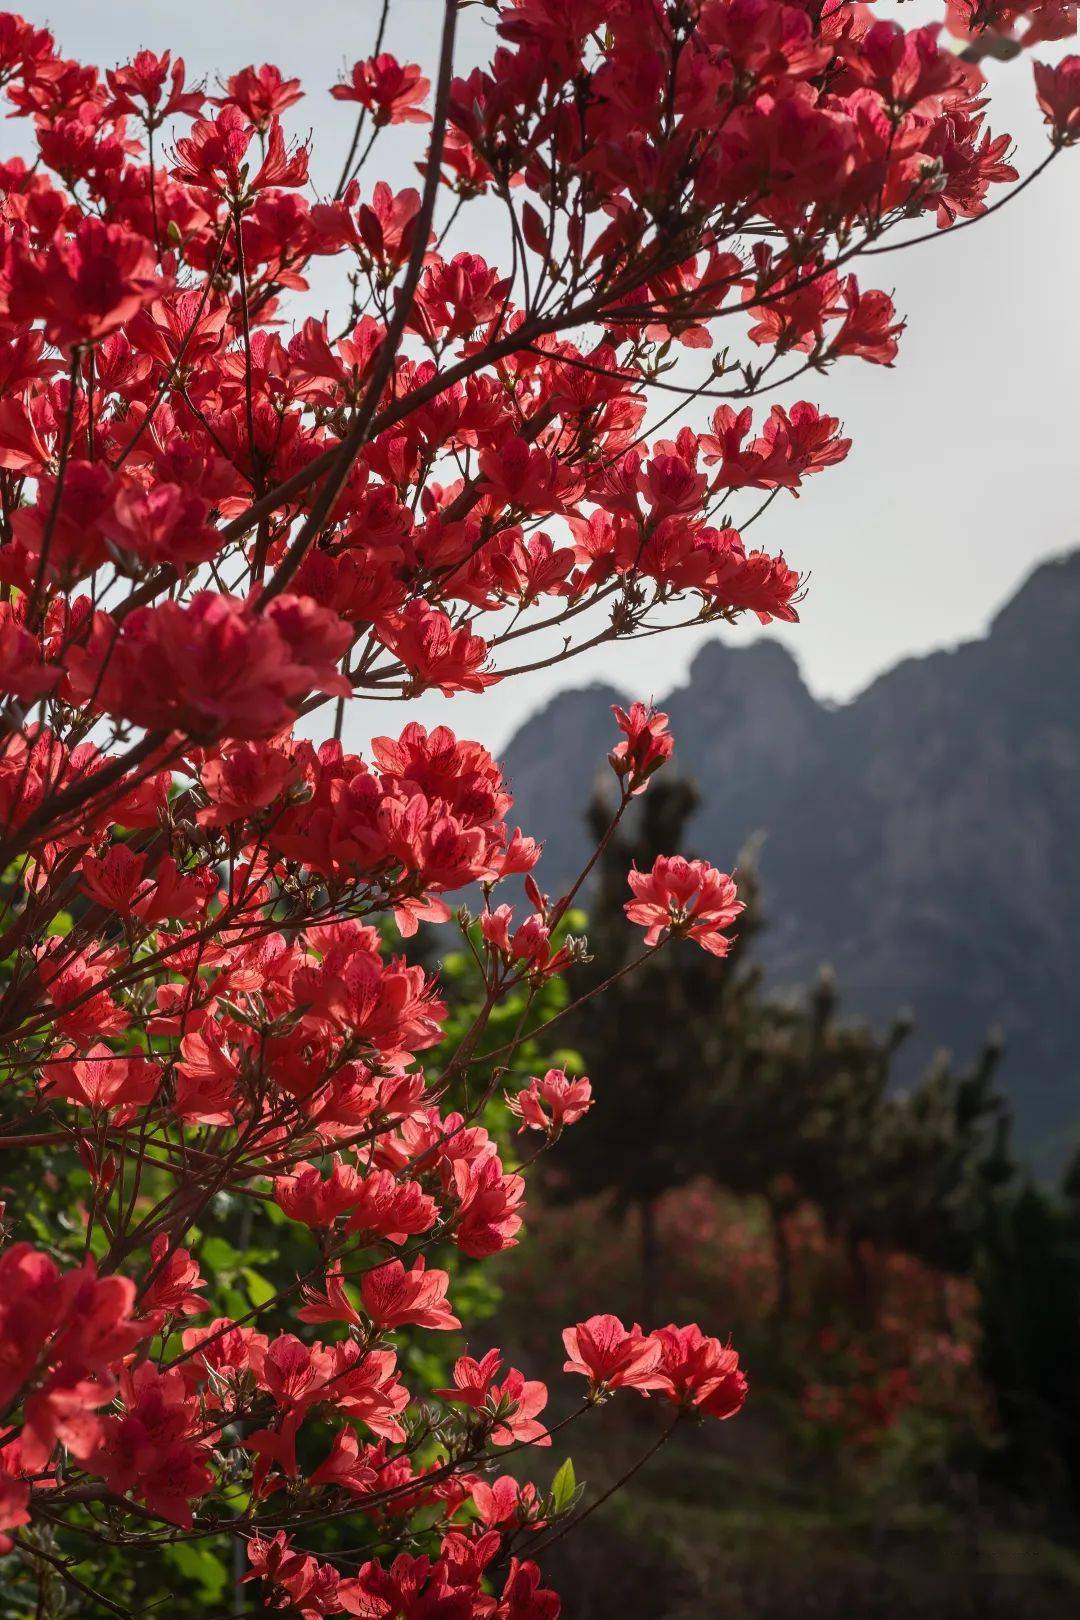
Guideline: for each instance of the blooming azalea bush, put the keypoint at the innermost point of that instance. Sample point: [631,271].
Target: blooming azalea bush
[219,515]
[836,1377]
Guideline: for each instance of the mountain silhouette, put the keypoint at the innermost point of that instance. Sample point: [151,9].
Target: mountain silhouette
[923,839]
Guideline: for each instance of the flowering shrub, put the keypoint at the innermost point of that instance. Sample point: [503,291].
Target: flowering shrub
[838,1374]
[219,517]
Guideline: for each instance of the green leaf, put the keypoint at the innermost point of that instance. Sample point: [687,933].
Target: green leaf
[234,1304]
[258,1287]
[202,1568]
[218,1255]
[563,1486]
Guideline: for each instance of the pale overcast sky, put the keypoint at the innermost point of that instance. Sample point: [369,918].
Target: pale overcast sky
[962,474]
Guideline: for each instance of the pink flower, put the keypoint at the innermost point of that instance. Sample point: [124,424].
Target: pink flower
[551,1103]
[507,1504]
[1057,90]
[212,665]
[437,654]
[176,1280]
[686,899]
[529,944]
[142,80]
[333,1306]
[86,284]
[102,1080]
[488,1202]
[262,94]
[346,1467]
[394,1297]
[14,1492]
[392,90]
[612,1356]
[213,156]
[515,1401]
[646,747]
[700,1372]
[305,1195]
[22,673]
[157,1446]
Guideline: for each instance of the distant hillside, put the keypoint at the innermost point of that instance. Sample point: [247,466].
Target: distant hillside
[924,839]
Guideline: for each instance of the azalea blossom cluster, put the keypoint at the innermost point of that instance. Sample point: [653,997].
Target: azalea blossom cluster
[223,521]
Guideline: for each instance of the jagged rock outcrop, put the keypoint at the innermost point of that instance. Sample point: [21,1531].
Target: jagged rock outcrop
[923,839]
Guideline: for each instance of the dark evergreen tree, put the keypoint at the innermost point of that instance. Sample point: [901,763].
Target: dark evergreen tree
[1029,1289]
[699,1071]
